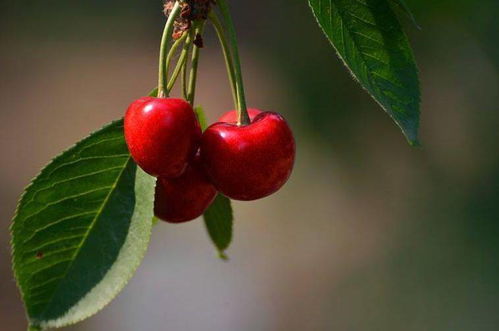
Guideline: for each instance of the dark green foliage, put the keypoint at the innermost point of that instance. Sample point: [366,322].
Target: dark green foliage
[370,41]
[218,219]
[88,211]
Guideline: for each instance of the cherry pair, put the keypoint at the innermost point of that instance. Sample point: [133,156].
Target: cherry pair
[246,162]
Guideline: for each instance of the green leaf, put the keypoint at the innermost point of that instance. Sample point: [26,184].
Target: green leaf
[201,117]
[154,92]
[218,220]
[402,5]
[81,229]
[369,39]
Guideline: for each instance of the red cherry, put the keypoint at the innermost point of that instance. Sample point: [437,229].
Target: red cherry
[231,116]
[184,198]
[162,135]
[252,161]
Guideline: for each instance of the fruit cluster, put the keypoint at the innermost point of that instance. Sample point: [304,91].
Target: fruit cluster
[242,162]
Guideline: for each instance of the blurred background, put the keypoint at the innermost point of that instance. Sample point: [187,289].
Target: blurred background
[369,234]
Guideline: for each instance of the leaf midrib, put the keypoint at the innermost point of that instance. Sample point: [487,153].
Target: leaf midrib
[106,200]
[355,41]
[372,82]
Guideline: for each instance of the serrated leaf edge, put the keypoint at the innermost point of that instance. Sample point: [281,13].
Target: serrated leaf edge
[414,142]
[26,189]
[65,319]
[84,308]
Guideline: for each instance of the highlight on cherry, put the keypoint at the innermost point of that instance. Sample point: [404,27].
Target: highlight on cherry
[83,225]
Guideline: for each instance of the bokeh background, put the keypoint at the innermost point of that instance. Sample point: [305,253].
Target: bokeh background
[369,234]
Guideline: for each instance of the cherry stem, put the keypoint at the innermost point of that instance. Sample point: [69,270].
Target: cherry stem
[242,112]
[217,25]
[184,66]
[181,61]
[191,89]
[184,80]
[163,69]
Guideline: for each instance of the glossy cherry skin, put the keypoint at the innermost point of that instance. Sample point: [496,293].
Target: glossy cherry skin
[185,198]
[249,162]
[162,135]
[231,116]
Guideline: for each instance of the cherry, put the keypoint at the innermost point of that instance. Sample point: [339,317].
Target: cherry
[231,116]
[249,162]
[162,134]
[184,198]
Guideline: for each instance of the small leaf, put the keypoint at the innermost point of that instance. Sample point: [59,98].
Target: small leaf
[154,92]
[369,39]
[201,117]
[218,220]
[81,229]
[402,5]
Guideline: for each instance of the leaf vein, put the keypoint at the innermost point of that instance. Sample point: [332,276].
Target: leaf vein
[57,222]
[53,203]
